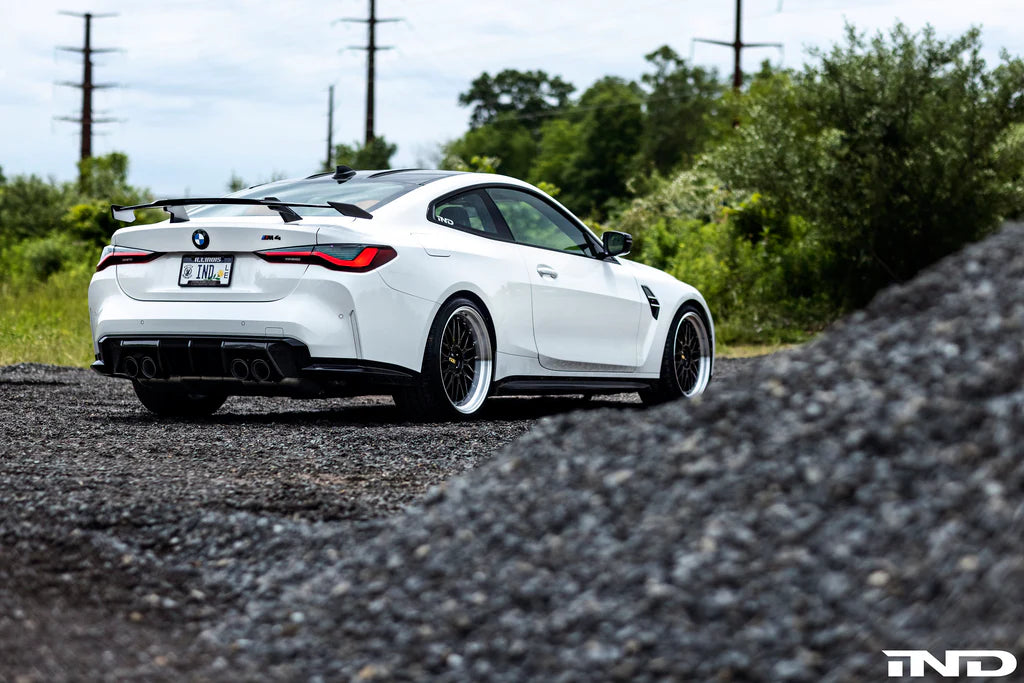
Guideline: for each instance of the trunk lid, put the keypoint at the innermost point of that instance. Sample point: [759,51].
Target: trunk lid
[251,278]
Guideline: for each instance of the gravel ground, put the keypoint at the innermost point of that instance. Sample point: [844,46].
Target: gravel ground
[123,538]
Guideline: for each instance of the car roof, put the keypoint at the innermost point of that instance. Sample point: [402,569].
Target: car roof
[419,176]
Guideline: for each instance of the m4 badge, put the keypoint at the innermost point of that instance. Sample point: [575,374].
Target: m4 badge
[270,237]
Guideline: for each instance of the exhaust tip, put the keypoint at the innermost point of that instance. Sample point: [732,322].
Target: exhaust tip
[239,370]
[148,368]
[260,370]
[131,367]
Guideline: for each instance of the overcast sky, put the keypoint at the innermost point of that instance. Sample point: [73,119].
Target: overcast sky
[211,88]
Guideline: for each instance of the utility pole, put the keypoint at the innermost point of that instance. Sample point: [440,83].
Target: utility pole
[737,45]
[330,129]
[371,48]
[86,119]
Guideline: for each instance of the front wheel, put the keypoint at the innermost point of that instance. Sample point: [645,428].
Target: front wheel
[178,401]
[686,362]
[458,365]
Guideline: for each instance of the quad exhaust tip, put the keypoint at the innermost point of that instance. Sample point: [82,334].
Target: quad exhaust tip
[260,370]
[148,367]
[239,369]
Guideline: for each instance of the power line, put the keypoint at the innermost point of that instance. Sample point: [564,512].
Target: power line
[579,108]
[328,162]
[371,48]
[738,45]
[86,118]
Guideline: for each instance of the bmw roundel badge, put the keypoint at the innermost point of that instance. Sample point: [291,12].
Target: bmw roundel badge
[200,239]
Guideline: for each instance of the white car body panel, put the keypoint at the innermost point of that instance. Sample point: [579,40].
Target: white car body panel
[592,321]
[585,312]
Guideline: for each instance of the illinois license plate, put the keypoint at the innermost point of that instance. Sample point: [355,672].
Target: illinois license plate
[205,271]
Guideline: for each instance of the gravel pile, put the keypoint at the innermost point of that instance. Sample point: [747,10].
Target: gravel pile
[860,493]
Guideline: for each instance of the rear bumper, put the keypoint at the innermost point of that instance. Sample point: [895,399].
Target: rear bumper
[256,366]
[335,315]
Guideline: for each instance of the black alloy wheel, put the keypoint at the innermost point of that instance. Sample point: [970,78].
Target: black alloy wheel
[686,360]
[458,364]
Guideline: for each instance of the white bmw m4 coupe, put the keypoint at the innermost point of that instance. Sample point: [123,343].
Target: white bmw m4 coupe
[439,288]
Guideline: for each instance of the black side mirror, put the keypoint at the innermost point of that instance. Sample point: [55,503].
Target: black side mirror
[616,243]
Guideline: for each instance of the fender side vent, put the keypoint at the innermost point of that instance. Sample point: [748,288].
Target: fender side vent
[652,300]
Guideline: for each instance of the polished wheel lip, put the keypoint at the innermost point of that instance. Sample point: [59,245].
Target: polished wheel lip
[691,354]
[465,359]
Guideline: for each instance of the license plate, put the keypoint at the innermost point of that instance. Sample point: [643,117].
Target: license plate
[205,271]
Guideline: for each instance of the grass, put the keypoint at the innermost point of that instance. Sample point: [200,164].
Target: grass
[749,350]
[46,322]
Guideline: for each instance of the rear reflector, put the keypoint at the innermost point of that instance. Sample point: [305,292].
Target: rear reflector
[357,258]
[117,256]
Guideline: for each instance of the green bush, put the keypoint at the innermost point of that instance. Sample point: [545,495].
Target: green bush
[90,222]
[898,150]
[31,207]
[758,270]
[36,259]
[878,158]
[1008,154]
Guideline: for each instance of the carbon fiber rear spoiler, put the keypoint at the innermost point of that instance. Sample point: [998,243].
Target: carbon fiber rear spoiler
[176,207]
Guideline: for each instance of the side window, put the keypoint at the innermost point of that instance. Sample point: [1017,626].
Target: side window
[467,212]
[536,223]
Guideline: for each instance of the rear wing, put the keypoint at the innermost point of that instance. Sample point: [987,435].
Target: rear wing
[176,207]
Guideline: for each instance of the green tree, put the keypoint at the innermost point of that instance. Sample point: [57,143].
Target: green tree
[611,120]
[106,178]
[103,181]
[509,111]
[589,154]
[679,99]
[509,145]
[557,158]
[894,148]
[374,156]
[528,96]
[236,183]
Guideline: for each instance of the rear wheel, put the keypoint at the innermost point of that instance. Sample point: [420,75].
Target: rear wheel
[458,365]
[178,401]
[686,361]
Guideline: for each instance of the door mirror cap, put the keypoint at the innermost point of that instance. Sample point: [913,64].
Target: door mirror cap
[616,243]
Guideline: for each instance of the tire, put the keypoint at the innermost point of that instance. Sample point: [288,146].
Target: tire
[686,359]
[178,401]
[458,365]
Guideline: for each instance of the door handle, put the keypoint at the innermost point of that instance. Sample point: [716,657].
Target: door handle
[543,270]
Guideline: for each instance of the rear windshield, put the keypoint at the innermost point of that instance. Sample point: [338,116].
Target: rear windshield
[366,194]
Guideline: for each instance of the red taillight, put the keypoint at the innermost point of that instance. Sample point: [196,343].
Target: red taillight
[357,258]
[116,256]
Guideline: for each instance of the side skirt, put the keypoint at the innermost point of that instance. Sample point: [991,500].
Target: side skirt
[533,386]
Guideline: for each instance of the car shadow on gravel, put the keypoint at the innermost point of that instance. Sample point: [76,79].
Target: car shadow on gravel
[379,410]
